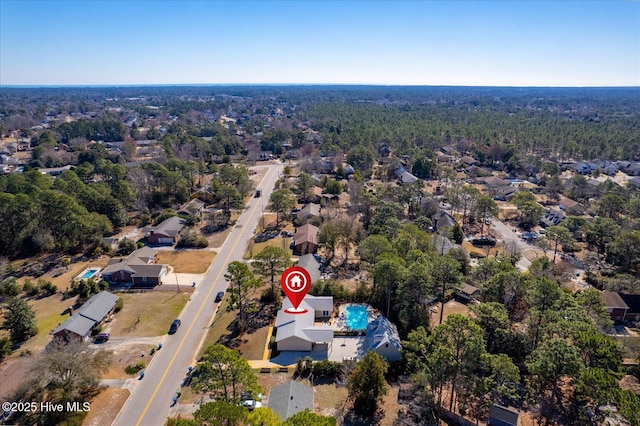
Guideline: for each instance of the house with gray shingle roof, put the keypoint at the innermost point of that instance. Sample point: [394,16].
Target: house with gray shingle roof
[309,262]
[308,212]
[493,182]
[167,232]
[290,398]
[502,416]
[404,176]
[94,312]
[383,338]
[442,219]
[138,268]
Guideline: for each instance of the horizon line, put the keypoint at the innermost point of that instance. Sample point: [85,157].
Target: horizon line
[116,85]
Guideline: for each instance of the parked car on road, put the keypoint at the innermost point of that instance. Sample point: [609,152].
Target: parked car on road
[483,241]
[219,296]
[101,337]
[174,326]
[529,236]
[251,404]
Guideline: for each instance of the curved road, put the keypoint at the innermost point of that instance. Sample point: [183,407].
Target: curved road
[151,398]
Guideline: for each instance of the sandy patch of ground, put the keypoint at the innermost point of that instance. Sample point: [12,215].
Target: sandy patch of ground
[329,399]
[630,383]
[131,232]
[259,174]
[390,406]
[532,255]
[128,355]
[146,314]
[451,307]
[187,261]
[106,406]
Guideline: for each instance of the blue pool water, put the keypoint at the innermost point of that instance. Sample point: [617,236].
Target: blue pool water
[357,318]
[88,274]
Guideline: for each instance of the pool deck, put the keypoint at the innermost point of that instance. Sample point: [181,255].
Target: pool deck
[96,273]
[340,322]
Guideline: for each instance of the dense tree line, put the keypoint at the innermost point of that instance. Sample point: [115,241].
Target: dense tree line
[489,132]
[107,129]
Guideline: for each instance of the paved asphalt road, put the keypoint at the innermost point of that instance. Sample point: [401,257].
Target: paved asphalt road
[150,401]
[508,235]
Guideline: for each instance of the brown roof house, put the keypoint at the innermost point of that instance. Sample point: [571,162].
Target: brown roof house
[167,232]
[305,239]
[571,207]
[95,311]
[469,293]
[138,268]
[468,160]
[615,305]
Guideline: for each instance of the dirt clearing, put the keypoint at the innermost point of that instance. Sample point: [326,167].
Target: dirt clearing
[129,355]
[106,406]
[451,307]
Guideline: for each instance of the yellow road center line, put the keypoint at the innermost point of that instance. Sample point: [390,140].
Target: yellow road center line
[184,338]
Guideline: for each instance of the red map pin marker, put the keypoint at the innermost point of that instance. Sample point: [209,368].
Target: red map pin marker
[296,283]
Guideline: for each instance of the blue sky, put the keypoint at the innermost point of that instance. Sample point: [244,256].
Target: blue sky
[501,43]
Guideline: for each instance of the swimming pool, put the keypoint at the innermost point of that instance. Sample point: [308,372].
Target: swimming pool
[88,273]
[357,318]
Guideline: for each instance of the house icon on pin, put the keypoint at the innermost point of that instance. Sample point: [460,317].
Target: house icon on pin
[296,282]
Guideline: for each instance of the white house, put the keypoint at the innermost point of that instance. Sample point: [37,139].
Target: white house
[298,332]
[383,338]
